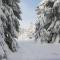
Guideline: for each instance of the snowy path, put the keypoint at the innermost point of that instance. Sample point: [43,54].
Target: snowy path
[34,51]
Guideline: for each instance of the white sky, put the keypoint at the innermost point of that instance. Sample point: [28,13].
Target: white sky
[28,11]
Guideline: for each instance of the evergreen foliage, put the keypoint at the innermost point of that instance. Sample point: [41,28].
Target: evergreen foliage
[49,18]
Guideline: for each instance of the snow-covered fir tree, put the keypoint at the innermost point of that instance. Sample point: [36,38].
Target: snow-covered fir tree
[48,25]
[9,26]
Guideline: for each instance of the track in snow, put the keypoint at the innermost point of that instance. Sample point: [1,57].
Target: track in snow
[30,50]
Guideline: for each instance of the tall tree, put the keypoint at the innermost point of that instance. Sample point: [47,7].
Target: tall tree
[9,25]
[49,21]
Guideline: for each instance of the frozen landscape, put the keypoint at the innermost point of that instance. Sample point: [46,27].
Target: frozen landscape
[21,38]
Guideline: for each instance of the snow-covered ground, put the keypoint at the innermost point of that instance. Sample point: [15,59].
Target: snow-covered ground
[30,50]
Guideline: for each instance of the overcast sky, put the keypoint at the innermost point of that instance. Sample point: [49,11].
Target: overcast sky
[28,10]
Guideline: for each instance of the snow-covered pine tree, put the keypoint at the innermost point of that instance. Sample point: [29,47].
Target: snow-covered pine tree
[48,26]
[9,26]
